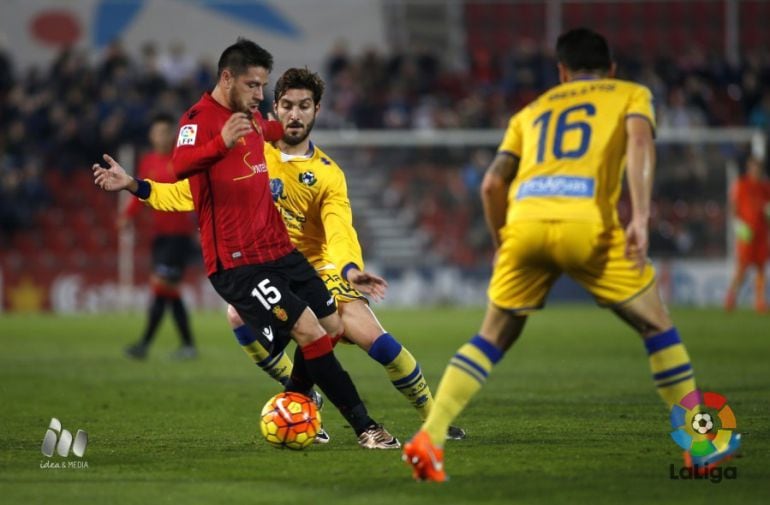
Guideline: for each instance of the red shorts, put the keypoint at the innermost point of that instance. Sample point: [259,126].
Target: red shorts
[753,253]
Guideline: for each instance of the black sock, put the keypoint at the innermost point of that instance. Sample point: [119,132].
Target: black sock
[299,381]
[335,382]
[182,320]
[154,315]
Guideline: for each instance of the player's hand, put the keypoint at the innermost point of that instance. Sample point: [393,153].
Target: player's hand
[637,242]
[368,283]
[743,231]
[237,126]
[112,178]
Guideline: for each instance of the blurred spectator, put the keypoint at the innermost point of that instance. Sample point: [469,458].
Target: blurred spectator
[678,113]
[6,67]
[176,66]
[760,114]
[61,118]
[338,60]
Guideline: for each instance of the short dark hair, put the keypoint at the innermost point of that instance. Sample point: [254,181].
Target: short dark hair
[244,54]
[583,49]
[300,78]
[163,117]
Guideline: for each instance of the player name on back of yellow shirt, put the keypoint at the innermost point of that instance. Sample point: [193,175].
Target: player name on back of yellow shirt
[570,143]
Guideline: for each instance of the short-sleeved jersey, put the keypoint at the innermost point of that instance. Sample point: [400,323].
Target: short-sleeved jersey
[238,224]
[751,197]
[311,195]
[571,145]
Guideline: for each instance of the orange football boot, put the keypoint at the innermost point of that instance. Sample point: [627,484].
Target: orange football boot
[425,459]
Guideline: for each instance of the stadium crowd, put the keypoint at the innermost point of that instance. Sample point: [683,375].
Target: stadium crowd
[63,117]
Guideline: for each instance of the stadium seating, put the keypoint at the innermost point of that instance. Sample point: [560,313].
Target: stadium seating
[53,219]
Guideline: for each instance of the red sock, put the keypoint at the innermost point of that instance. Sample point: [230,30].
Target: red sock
[317,348]
[165,291]
[336,339]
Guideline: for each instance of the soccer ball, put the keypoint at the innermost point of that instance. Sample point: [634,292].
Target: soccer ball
[702,423]
[290,420]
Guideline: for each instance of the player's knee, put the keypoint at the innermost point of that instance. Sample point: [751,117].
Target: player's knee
[501,328]
[647,321]
[361,328]
[332,324]
[233,318]
[655,326]
[307,329]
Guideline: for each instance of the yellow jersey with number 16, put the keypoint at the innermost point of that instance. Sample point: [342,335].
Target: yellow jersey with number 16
[571,145]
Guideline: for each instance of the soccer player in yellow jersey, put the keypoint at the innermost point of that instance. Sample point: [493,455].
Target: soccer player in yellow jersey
[310,192]
[549,200]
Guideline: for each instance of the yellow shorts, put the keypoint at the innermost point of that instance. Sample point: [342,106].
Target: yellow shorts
[535,253]
[340,289]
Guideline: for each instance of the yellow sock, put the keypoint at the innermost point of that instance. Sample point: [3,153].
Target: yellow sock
[464,376]
[670,366]
[278,367]
[406,376]
[403,371]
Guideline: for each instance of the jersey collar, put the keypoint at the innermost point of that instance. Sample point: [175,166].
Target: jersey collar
[585,77]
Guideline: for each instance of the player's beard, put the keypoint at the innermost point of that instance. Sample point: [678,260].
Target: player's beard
[294,140]
[237,104]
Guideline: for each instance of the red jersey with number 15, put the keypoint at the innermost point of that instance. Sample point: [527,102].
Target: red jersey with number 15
[239,224]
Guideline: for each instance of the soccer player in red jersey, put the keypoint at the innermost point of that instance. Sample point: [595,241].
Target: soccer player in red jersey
[172,245]
[750,205]
[249,258]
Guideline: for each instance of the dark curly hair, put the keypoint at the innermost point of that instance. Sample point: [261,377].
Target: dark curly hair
[300,78]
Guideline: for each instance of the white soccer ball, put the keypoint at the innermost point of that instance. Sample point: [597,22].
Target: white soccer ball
[702,423]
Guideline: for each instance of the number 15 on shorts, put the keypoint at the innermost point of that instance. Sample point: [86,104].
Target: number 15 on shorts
[266,294]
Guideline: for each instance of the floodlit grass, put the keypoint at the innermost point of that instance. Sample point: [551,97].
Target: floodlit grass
[570,416]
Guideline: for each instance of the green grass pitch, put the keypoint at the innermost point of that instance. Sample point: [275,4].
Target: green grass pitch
[569,416]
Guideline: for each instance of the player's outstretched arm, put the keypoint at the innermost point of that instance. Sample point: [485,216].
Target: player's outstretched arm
[113,177]
[640,167]
[170,196]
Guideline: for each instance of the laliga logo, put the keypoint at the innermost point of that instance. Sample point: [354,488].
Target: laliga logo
[704,426]
[65,442]
[703,423]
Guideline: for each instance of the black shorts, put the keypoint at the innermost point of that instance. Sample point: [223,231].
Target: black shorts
[170,255]
[271,296]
